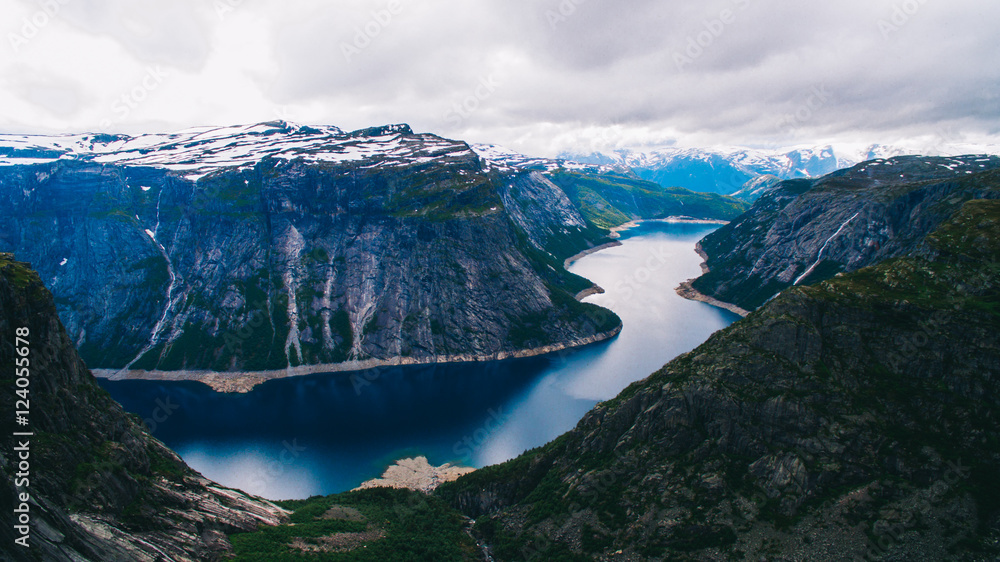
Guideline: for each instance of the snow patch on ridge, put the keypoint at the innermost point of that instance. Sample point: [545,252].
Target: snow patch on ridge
[198,152]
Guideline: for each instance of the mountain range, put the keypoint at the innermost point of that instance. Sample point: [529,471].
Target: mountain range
[726,170]
[853,414]
[278,246]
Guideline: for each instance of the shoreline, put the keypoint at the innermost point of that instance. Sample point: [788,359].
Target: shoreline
[595,290]
[669,220]
[245,381]
[686,289]
[569,261]
[688,292]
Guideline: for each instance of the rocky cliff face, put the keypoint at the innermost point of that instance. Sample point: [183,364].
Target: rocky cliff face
[101,488]
[803,231]
[856,418]
[273,246]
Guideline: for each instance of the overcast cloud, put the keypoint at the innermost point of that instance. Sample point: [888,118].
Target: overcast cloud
[538,76]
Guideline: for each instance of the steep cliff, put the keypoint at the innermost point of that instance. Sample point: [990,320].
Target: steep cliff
[101,487]
[273,246]
[803,231]
[855,418]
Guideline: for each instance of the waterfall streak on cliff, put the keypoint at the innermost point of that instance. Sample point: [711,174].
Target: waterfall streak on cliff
[154,337]
[819,256]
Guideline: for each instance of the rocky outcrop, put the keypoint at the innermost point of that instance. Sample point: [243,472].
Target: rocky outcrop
[856,418]
[803,231]
[416,474]
[101,487]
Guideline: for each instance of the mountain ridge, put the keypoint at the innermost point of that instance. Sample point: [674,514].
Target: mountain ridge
[730,170]
[806,230]
[275,236]
[286,248]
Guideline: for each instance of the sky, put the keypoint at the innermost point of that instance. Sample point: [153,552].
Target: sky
[542,77]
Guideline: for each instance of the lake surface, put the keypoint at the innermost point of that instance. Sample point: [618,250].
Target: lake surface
[321,434]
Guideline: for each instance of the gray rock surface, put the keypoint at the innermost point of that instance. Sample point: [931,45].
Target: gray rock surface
[276,247]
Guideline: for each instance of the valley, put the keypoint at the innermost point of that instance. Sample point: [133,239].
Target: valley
[544,281]
[850,414]
[236,255]
[346,427]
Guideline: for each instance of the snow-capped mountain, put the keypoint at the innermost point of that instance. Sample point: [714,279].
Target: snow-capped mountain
[504,158]
[200,151]
[723,170]
[727,170]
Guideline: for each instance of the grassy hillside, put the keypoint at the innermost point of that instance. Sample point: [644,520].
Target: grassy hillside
[610,200]
[376,525]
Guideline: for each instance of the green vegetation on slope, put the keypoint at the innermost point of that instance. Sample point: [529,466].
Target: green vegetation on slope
[377,525]
[610,200]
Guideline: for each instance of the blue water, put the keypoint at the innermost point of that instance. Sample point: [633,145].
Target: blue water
[321,434]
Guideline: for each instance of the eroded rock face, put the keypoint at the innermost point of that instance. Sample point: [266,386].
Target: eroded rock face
[804,231]
[277,246]
[855,418]
[101,487]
